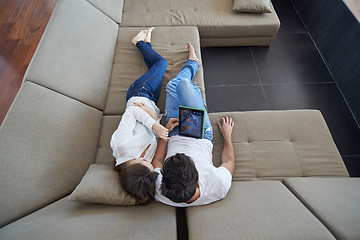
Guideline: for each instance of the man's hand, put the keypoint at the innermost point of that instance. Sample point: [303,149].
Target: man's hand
[161,131]
[173,122]
[226,128]
[147,109]
[228,155]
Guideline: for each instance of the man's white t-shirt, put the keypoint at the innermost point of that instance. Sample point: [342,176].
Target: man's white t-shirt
[214,182]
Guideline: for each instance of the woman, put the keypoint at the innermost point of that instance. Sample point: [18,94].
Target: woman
[134,143]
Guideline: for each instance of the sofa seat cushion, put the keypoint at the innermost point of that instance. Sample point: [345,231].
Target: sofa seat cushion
[255,210]
[104,151]
[278,144]
[214,18]
[75,54]
[129,65]
[47,142]
[70,220]
[335,201]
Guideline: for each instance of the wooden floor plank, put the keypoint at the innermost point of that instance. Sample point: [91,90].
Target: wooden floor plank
[22,23]
[6,51]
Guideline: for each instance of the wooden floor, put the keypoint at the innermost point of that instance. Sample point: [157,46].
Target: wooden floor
[22,23]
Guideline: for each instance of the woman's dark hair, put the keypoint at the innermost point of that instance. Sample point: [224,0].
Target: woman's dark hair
[180,178]
[138,181]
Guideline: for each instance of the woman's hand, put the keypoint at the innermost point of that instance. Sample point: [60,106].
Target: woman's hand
[147,109]
[173,122]
[226,127]
[161,131]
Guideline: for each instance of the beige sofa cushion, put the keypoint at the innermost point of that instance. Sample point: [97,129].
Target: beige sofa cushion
[335,201]
[112,8]
[267,144]
[214,18]
[78,221]
[278,144]
[170,42]
[104,152]
[252,6]
[47,142]
[255,210]
[101,184]
[239,41]
[75,54]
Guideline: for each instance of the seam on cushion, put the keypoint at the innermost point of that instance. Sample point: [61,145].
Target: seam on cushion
[244,37]
[99,134]
[308,207]
[28,80]
[298,160]
[102,12]
[292,145]
[309,140]
[253,160]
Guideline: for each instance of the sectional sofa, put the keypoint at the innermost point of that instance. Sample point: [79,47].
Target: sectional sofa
[290,181]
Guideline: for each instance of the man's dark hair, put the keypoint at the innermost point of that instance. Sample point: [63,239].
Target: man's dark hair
[180,178]
[138,181]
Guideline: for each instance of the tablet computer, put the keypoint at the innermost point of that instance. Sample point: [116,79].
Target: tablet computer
[191,122]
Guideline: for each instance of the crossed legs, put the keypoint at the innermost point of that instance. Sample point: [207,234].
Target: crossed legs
[149,84]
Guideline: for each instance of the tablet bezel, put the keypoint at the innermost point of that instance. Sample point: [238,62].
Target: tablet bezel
[202,111]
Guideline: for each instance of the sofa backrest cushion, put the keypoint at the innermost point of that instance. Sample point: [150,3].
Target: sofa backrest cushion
[47,142]
[278,144]
[112,8]
[170,42]
[75,54]
[214,18]
[104,154]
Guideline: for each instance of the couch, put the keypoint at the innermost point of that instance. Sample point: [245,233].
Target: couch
[290,181]
[217,23]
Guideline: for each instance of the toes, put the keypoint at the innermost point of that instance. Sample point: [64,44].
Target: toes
[148,34]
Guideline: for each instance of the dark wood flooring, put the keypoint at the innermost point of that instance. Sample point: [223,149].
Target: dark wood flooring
[22,23]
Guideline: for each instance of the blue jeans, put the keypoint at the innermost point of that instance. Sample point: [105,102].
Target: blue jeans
[149,84]
[182,91]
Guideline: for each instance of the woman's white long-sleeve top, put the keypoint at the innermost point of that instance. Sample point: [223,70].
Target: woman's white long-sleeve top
[134,133]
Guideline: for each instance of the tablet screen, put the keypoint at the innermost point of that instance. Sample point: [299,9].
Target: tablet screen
[191,122]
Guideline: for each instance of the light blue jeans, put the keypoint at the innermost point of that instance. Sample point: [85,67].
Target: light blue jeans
[182,91]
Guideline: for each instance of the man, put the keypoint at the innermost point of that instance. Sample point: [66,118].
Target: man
[187,176]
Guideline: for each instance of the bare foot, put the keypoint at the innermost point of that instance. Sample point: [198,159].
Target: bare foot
[192,54]
[139,37]
[148,34]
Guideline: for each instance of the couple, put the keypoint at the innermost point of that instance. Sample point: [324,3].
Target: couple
[175,170]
